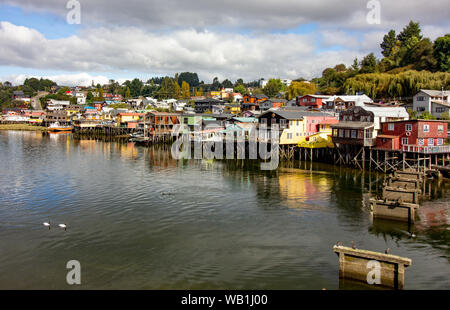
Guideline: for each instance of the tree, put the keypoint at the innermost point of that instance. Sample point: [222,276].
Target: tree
[189,77]
[135,87]
[176,89]
[240,88]
[369,64]
[100,93]
[127,94]
[355,65]
[239,82]
[426,115]
[300,89]
[227,84]
[441,52]
[388,43]
[340,68]
[445,116]
[421,56]
[273,87]
[409,34]
[185,90]
[89,97]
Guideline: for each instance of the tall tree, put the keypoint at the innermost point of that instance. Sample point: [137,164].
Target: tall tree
[176,89]
[135,87]
[273,87]
[410,34]
[185,89]
[369,64]
[441,52]
[388,43]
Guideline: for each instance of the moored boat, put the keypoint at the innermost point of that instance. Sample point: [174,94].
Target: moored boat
[57,127]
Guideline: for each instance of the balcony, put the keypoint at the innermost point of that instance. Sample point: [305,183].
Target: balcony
[441,149]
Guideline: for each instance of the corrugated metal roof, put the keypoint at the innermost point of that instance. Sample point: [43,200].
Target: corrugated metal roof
[355,125]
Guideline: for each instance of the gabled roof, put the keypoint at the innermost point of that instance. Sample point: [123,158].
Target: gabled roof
[435,93]
[295,114]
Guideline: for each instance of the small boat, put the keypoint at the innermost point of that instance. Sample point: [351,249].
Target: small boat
[57,127]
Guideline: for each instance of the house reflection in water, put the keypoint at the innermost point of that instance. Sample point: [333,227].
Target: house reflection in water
[303,190]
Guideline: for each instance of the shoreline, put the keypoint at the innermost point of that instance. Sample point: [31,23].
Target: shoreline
[22,127]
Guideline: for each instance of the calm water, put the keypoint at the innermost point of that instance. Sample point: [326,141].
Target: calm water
[137,219]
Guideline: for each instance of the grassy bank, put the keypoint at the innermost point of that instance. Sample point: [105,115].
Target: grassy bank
[25,127]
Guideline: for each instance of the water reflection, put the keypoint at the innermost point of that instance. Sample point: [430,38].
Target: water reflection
[140,219]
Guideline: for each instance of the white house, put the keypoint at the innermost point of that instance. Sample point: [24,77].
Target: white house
[54,105]
[343,102]
[435,102]
[81,98]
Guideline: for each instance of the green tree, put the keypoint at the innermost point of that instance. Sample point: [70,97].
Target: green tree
[388,43]
[441,52]
[135,87]
[369,64]
[127,93]
[273,87]
[421,56]
[409,34]
[300,89]
[426,115]
[240,88]
[89,97]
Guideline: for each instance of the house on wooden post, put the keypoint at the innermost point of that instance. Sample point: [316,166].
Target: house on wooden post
[160,123]
[355,134]
[426,136]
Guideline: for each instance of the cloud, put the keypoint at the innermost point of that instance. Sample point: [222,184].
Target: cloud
[121,50]
[249,14]
[79,79]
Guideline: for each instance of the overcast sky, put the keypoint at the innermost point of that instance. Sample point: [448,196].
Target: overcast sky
[231,39]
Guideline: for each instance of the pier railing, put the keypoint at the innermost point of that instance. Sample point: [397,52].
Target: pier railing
[427,149]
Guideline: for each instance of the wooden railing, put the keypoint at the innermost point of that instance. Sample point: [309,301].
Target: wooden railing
[427,149]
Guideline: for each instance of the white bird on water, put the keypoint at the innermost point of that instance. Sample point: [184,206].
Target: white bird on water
[46,224]
[64,226]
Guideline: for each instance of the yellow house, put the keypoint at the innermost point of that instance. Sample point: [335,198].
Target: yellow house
[232,109]
[294,133]
[124,118]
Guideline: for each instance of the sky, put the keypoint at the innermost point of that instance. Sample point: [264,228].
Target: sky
[251,39]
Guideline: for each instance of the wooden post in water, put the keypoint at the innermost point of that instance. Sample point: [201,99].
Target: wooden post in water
[372,268]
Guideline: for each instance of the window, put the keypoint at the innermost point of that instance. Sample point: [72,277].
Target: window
[440,109]
[420,109]
[404,141]
[353,134]
[440,128]
[408,127]
[347,133]
[426,128]
[430,141]
[420,141]
[391,126]
[313,99]
[341,133]
[305,100]
[360,134]
[439,141]
[420,98]
[289,135]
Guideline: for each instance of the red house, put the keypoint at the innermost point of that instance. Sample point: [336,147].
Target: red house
[313,101]
[412,135]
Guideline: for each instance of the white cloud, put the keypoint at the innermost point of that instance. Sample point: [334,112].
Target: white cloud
[79,79]
[210,54]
